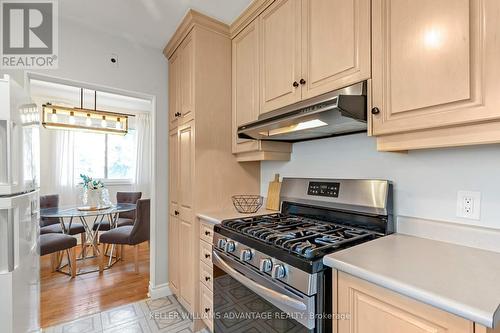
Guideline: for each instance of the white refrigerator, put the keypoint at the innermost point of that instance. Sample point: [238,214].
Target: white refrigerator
[19,210]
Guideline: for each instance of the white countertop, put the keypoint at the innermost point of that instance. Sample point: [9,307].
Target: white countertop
[216,217]
[461,280]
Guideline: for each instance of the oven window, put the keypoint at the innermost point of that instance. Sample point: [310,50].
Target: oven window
[238,309]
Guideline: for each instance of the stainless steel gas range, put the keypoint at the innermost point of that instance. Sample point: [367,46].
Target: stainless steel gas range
[268,270]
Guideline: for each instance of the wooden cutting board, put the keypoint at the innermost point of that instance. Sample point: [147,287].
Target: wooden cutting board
[273,194]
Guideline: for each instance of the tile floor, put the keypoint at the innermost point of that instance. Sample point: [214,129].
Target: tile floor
[148,316]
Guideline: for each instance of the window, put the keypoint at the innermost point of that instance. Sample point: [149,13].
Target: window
[105,156]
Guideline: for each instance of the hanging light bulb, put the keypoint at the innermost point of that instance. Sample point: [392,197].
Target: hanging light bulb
[88,121]
[103,122]
[53,117]
[118,124]
[72,118]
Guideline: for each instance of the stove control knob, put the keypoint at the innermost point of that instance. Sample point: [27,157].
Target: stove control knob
[278,272]
[221,243]
[246,255]
[230,247]
[265,265]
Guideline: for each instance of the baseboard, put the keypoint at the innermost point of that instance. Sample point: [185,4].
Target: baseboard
[161,290]
[450,232]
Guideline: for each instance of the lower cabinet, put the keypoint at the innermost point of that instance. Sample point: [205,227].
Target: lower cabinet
[206,274]
[367,308]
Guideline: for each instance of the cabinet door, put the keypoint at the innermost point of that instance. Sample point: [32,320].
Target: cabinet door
[245,83]
[374,309]
[173,223]
[335,44]
[174,89]
[186,50]
[427,68]
[280,48]
[187,232]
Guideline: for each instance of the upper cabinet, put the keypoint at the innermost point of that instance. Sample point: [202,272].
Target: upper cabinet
[335,44]
[435,71]
[285,51]
[280,55]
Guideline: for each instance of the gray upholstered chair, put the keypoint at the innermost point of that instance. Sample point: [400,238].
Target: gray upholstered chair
[53,225]
[49,201]
[126,218]
[131,235]
[54,244]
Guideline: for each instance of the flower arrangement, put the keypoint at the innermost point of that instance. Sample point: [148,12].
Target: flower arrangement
[91,184]
[95,194]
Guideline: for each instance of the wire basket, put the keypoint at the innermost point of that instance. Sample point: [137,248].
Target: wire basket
[247,204]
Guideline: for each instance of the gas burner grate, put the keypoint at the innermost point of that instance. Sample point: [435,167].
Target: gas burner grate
[302,236]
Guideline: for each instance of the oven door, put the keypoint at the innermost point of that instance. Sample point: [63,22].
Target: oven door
[246,300]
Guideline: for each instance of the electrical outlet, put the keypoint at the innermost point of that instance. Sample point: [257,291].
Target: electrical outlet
[469,205]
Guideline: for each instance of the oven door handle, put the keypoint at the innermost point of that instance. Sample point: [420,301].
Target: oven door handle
[257,288]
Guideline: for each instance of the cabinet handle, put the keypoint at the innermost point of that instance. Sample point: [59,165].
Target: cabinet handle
[207,278]
[375,110]
[295,84]
[207,233]
[176,212]
[302,81]
[207,255]
[207,310]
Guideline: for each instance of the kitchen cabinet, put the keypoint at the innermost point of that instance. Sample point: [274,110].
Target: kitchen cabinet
[203,172]
[174,102]
[311,47]
[245,98]
[374,309]
[206,272]
[435,70]
[291,51]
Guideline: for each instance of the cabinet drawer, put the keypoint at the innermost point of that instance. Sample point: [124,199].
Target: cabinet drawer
[206,275]
[206,301]
[206,231]
[206,253]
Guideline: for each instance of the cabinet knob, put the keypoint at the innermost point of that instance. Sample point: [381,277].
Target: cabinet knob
[375,110]
[302,81]
[207,278]
[295,84]
[176,212]
[207,310]
[207,233]
[207,255]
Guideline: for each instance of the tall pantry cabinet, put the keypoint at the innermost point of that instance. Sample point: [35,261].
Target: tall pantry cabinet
[203,172]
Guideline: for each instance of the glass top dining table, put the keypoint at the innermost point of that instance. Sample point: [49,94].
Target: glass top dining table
[91,221]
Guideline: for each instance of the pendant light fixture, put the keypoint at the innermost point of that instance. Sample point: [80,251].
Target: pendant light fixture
[62,117]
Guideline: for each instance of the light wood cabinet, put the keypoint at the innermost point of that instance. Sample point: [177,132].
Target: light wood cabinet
[245,98]
[291,51]
[203,172]
[373,309]
[280,56]
[435,70]
[174,101]
[206,273]
[335,44]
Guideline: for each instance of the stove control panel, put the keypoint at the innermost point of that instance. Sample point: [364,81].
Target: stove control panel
[324,189]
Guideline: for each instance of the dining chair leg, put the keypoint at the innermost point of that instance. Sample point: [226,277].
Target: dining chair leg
[83,239]
[136,258]
[53,262]
[102,254]
[122,252]
[72,261]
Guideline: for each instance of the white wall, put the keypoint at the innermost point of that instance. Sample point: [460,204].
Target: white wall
[425,182]
[83,56]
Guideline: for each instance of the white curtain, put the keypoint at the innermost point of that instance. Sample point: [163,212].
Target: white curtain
[143,166]
[63,178]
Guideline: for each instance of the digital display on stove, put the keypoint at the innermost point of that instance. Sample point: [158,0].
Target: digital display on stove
[324,189]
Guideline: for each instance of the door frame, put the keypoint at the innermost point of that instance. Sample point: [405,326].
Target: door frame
[155,290]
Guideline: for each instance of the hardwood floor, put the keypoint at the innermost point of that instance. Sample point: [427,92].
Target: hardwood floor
[64,299]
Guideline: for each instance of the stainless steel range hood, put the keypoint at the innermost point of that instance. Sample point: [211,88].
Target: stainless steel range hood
[335,113]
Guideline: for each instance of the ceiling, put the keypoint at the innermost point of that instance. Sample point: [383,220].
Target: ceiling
[147,22]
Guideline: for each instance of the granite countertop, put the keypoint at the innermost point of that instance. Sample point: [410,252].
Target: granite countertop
[218,216]
[461,280]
